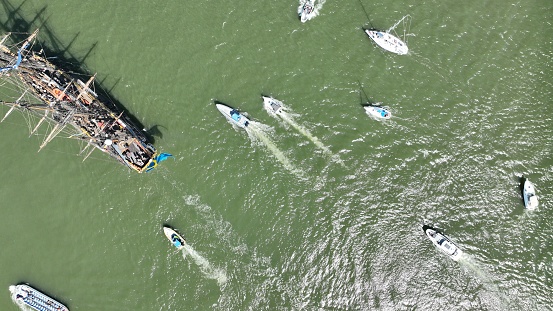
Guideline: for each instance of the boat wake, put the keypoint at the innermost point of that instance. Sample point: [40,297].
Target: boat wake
[258,130]
[319,6]
[21,306]
[305,132]
[470,265]
[212,273]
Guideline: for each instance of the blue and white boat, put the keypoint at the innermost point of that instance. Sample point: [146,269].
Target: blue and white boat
[306,10]
[387,41]
[25,295]
[378,112]
[176,239]
[272,105]
[443,243]
[233,115]
[529,193]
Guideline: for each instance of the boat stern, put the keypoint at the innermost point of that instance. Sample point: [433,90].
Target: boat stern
[532,202]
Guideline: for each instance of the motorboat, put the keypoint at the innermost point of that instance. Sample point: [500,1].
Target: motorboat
[529,194]
[233,115]
[176,239]
[27,296]
[387,41]
[306,11]
[273,106]
[443,243]
[378,112]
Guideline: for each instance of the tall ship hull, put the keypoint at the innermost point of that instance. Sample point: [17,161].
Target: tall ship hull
[27,296]
[71,106]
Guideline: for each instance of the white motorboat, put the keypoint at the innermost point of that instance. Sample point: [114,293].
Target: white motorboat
[387,41]
[233,115]
[306,11]
[26,295]
[443,243]
[529,193]
[176,239]
[378,112]
[273,106]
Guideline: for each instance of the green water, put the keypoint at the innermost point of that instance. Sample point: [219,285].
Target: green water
[471,110]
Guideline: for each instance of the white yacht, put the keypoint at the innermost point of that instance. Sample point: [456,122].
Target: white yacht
[443,243]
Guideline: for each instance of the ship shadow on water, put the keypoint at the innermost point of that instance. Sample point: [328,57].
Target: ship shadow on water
[59,54]
[521,181]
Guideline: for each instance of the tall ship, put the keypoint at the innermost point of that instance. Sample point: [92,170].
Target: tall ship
[26,295]
[70,103]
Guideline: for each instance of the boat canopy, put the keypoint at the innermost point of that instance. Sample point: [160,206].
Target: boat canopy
[235,115]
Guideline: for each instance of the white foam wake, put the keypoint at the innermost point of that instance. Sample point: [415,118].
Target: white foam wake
[467,262]
[213,273]
[256,129]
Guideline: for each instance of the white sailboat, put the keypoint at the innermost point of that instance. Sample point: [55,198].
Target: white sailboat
[388,41]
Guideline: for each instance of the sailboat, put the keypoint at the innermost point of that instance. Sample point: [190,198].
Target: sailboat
[387,41]
[378,112]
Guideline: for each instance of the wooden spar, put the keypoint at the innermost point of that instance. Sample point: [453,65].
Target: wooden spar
[53,133]
[115,121]
[85,147]
[56,130]
[13,106]
[60,96]
[6,36]
[39,122]
[84,90]
[31,37]
[8,113]
[88,154]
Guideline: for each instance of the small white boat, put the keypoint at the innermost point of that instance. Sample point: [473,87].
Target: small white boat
[378,112]
[306,11]
[233,115]
[443,243]
[26,295]
[387,41]
[273,106]
[529,193]
[176,239]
